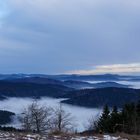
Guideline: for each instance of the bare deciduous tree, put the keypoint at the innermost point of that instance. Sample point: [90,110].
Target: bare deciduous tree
[37,118]
[62,121]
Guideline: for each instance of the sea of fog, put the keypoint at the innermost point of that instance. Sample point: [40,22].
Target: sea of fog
[81,115]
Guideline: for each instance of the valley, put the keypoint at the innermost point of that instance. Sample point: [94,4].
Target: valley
[83,99]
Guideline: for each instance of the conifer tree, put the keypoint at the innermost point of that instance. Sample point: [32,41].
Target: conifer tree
[103,123]
[114,119]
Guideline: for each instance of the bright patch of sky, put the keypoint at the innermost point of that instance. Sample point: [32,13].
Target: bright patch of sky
[114,68]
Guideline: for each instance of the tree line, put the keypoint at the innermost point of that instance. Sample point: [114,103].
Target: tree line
[125,120]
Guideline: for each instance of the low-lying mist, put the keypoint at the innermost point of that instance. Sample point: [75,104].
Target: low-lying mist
[80,114]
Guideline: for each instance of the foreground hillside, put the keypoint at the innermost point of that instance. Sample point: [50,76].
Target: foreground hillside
[23,136]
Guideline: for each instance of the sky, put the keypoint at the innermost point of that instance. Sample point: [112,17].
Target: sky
[69,36]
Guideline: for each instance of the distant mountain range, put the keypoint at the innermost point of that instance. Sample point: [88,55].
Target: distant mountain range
[73,87]
[104,77]
[68,83]
[86,85]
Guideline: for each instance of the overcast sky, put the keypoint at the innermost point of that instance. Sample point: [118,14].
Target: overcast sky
[69,36]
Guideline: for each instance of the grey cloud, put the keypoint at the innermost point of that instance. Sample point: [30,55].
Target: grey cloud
[62,35]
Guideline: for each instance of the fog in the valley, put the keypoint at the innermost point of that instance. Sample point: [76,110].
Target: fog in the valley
[132,84]
[81,115]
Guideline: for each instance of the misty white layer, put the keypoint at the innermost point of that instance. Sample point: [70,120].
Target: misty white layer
[131,84]
[80,114]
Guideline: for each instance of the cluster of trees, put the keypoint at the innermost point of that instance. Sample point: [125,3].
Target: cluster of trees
[40,119]
[125,120]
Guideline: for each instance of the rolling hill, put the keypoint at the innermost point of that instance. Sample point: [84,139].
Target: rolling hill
[102,96]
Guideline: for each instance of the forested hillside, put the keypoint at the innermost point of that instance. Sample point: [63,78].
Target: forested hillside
[102,96]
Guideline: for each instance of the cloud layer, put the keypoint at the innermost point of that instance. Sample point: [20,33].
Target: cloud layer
[55,36]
